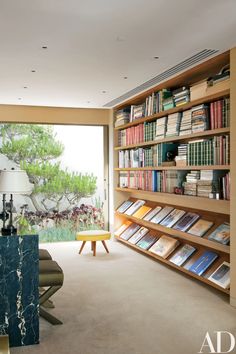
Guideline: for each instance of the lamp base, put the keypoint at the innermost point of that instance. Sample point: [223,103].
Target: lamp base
[9,230]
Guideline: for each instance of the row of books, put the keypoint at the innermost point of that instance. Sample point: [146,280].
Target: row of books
[179,182]
[177,219]
[179,254]
[197,119]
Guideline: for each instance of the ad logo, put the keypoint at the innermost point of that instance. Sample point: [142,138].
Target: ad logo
[208,346]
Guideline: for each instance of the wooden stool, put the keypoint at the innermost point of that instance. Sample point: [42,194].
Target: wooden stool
[93,236]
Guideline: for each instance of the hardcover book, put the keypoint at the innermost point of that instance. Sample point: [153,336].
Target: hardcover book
[182,255]
[124,206]
[147,241]
[161,215]
[134,207]
[221,234]
[200,228]
[138,235]
[221,276]
[122,228]
[164,246]
[172,218]
[203,263]
[129,231]
[186,222]
[152,213]
[141,212]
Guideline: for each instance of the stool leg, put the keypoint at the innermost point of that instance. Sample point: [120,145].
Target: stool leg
[105,246]
[94,248]
[82,246]
[91,245]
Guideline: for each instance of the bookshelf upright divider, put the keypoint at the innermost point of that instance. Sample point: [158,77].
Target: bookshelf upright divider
[217,211]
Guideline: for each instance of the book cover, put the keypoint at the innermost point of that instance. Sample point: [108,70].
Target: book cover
[141,212]
[172,218]
[124,206]
[129,231]
[164,246]
[203,263]
[186,222]
[122,228]
[134,207]
[221,234]
[147,241]
[200,228]
[221,276]
[182,255]
[152,213]
[138,235]
[161,215]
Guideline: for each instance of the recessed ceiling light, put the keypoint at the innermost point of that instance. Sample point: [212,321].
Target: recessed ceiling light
[104,91]
[25,87]
[125,77]
[88,101]
[19,98]
[44,47]
[156,57]
[33,71]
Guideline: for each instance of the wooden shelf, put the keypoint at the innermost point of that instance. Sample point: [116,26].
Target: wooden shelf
[185,168]
[182,108]
[165,261]
[206,133]
[217,206]
[179,234]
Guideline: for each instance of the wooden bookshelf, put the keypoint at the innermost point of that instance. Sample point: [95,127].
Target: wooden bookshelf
[208,209]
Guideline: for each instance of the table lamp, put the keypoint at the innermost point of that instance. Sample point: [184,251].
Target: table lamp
[12,182]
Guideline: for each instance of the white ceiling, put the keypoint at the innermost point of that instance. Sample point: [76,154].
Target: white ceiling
[94,44]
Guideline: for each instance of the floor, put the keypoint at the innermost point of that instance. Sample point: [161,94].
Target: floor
[126,303]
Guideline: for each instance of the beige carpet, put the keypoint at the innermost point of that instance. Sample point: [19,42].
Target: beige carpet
[126,303]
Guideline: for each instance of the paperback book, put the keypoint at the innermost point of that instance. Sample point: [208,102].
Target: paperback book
[203,262]
[152,213]
[135,206]
[124,206]
[147,241]
[122,228]
[186,222]
[161,215]
[138,235]
[200,228]
[141,212]
[172,218]
[221,234]
[129,231]
[221,276]
[164,246]
[182,255]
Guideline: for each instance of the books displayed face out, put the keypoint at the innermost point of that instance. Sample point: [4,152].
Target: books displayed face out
[152,213]
[146,241]
[164,246]
[129,231]
[200,228]
[141,212]
[138,235]
[182,255]
[135,206]
[172,218]
[221,234]
[203,263]
[124,206]
[221,276]
[186,222]
[122,228]
[161,215]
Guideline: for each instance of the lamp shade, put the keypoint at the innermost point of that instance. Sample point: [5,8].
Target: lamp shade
[14,182]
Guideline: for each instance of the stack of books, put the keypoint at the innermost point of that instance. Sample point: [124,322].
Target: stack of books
[163,100]
[200,120]
[149,131]
[122,116]
[161,128]
[190,186]
[181,158]
[132,135]
[137,111]
[208,183]
[173,124]
[168,103]
[152,104]
[186,123]
[220,113]
[181,96]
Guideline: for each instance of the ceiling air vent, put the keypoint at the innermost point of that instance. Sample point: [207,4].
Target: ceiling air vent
[183,65]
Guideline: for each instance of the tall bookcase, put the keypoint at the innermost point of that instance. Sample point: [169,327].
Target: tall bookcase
[214,210]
